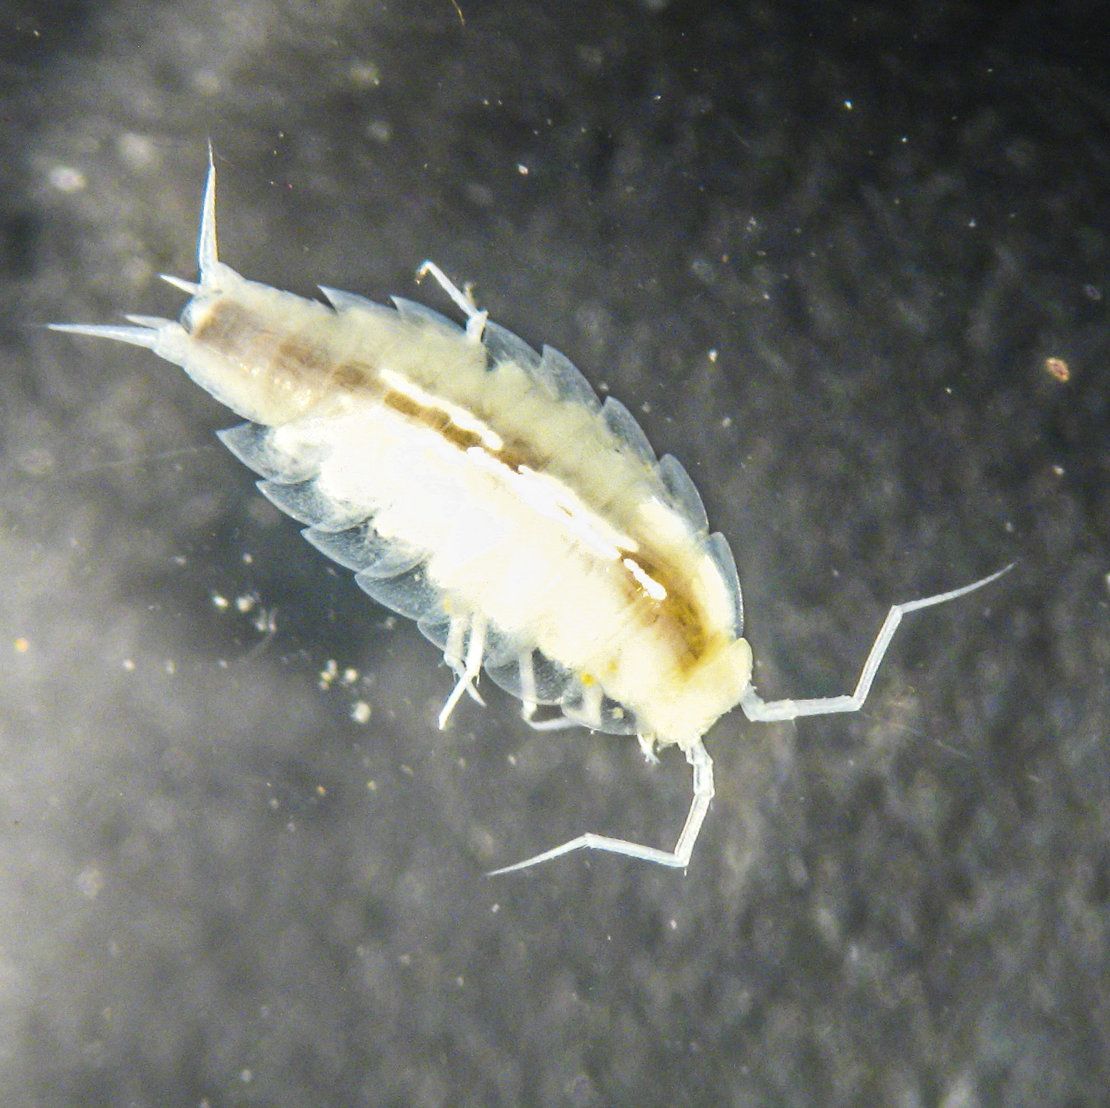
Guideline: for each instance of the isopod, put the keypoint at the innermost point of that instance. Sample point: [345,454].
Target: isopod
[480,488]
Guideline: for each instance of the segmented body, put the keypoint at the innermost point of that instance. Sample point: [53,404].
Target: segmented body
[481,489]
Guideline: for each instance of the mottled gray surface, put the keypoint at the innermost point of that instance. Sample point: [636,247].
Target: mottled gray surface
[215,887]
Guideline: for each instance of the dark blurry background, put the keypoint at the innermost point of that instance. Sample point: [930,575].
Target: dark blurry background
[220,883]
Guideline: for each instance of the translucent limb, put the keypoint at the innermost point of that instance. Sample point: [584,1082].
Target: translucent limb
[180,283]
[136,336]
[475,318]
[555,723]
[467,671]
[679,858]
[647,749]
[766,711]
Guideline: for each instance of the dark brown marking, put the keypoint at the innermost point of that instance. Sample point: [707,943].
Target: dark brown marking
[229,328]
[353,376]
[678,606]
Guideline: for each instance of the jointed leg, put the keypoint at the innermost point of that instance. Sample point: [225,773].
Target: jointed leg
[765,711]
[679,858]
[475,319]
[466,671]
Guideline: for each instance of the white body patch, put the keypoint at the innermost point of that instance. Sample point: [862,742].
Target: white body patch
[481,489]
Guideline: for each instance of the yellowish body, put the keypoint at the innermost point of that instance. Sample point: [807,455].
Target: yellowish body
[530,513]
[482,489]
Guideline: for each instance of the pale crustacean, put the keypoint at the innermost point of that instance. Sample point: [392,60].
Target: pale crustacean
[480,487]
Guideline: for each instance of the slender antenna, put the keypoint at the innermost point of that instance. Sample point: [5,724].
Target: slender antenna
[207,258]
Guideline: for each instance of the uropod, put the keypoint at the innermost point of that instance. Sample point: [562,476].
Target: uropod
[480,488]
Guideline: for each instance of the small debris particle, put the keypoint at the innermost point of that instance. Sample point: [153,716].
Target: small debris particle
[522,169]
[129,664]
[321,790]
[379,130]
[713,356]
[246,602]
[21,646]
[1057,368]
[67,179]
[371,786]
[90,881]
[220,603]
[365,75]
[265,622]
[360,712]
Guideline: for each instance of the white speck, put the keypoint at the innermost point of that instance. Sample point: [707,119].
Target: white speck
[380,130]
[137,150]
[713,355]
[206,82]
[246,1076]
[246,602]
[129,664]
[522,169]
[67,179]
[90,881]
[220,603]
[365,74]
[848,105]
[360,712]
